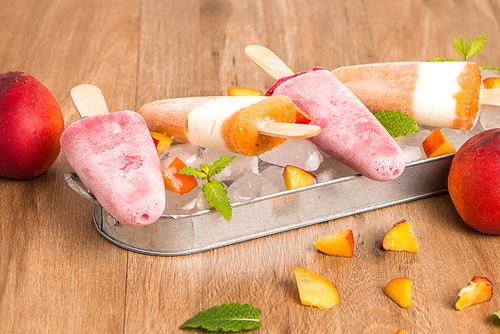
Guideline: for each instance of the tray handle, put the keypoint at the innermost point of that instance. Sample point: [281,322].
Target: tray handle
[75,183]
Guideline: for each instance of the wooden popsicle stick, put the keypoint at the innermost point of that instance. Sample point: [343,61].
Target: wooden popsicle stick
[490,97]
[268,61]
[88,100]
[290,130]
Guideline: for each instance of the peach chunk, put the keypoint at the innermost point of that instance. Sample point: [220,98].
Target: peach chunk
[479,290]
[301,116]
[178,183]
[337,244]
[492,82]
[399,290]
[315,290]
[296,177]
[437,144]
[161,141]
[401,238]
[240,91]
[400,331]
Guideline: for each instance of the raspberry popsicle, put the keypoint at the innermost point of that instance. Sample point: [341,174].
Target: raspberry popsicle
[227,123]
[349,131]
[441,94]
[115,158]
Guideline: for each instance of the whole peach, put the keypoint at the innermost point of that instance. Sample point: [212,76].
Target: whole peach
[473,182]
[31,123]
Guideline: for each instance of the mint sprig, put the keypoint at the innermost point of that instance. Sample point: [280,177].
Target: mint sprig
[233,317]
[467,50]
[214,191]
[497,313]
[398,124]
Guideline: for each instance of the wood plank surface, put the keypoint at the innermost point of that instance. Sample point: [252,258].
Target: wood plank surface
[58,275]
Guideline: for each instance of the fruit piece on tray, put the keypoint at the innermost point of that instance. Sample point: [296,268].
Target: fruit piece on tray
[178,183]
[441,94]
[247,125]
[161,141]
[337,244]
[491,82]
[400,331]
[437,144]
[400,238]
[114,156]
[399,290]
[296,177]
[241,91]
[479,290]
[473,181]
[315,290]
[31,123]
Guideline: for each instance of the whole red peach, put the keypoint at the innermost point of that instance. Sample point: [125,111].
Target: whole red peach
[31,123]
[473,182]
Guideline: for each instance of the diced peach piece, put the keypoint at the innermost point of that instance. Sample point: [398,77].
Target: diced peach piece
[301,117]
[492,82]
[400,331]
[437,144]
[178,183]
[400,238]
[315,290]
[241,91]
[296,177]
[399,290]
[162,142]
[337,244]
[479,290]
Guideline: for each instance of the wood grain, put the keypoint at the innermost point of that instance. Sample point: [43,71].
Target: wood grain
[57,275]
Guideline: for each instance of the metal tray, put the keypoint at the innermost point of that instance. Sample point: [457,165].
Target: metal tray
[188,234]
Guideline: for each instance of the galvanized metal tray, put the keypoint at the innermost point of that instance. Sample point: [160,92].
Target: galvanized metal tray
[205,230]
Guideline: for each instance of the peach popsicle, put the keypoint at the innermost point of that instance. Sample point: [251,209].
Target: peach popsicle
[114,156]
[349,131]
[441,94]
[226,123]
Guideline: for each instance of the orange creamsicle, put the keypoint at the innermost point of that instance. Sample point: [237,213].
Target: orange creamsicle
[225,123]
[440,94]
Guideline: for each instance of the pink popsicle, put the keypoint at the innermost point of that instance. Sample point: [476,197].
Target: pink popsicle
[114,156]
[349,131]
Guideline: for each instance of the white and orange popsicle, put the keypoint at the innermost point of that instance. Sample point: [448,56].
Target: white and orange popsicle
[349,131]
[115,158]
[441,94]
[226,123]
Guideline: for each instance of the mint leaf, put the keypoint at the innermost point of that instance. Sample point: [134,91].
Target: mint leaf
[442,59]
[216,195]
[476,45]
[205,168]
[220,164]
[396,123]
[497,313]
[192,171]
[227,318]
[461,46]
[494,68]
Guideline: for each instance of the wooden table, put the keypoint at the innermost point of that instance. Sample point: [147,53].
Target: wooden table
[58,275]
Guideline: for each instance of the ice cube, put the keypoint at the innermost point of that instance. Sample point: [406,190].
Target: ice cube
[245,188]
[296,152]
[241,166]
[191,155]
[489,117]
[186,204]
[331,169]
[272,180]
[413,153]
